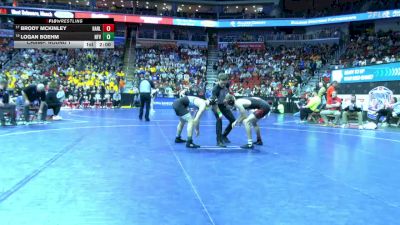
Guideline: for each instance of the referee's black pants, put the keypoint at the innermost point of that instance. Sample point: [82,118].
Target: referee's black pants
[145,98]
[228,115]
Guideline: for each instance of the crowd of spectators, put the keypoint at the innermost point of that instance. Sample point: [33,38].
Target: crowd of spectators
[81,75]
[95,77]
[372,48]
[173,68]
[271,71]
[5,51]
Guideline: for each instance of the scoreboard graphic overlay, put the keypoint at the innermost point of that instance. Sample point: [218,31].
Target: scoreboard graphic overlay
[63,33]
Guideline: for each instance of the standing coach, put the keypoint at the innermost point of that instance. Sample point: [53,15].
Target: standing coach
[145,87]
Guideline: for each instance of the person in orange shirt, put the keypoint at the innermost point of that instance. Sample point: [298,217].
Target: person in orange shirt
[121,84]
[330,90]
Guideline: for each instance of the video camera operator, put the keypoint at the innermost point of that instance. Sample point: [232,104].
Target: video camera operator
[6,104]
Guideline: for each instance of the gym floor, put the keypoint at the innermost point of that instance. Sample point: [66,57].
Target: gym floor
[106,167]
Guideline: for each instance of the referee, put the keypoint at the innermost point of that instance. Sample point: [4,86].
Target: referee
[145,87]
[220,90]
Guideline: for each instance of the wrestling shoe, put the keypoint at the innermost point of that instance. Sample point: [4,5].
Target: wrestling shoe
[192,145]
[179,140]
[247,146]
[258,142]
[221,144]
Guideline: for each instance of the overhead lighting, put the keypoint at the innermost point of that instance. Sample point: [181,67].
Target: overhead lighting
[160,14]
[246,9]
[237,7]
[105,4]
[190,7]
[113,3]
[147,6]
[156,5]
[165,3]
[147,3]
[69,3]
[122,5]
[183,5]
[199,6]
[197,10]
[254,6]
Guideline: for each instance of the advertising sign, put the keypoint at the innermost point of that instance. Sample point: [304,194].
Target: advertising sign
[254,45]
[195,23]
[225,23]
[126,18]
[3,11]
[310,22]
[39,13]
[383,72]
[163,103]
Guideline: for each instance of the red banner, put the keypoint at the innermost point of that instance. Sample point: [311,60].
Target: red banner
[150,19]
[127,18]
[3,11]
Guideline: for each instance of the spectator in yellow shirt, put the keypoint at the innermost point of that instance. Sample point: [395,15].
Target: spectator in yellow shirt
[311,107]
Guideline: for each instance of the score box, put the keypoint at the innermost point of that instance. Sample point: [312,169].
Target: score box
[104,44]
[108,28]
[108,36]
